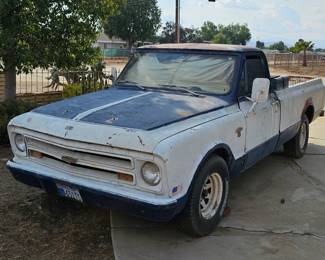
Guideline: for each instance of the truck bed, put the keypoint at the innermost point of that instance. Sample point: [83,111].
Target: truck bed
[282,82]
[293,80]
[300,94]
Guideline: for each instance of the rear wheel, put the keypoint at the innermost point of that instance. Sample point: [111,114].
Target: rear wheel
[297,146]
[208,198]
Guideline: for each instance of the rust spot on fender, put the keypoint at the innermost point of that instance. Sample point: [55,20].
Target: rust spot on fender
[239,131]
[309,102]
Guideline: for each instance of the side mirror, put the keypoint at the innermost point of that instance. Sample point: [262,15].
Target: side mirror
[113,74]
[260,90]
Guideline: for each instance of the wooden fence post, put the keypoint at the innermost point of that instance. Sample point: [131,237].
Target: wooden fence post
[2,87]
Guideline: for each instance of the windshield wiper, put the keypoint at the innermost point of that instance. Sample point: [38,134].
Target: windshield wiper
[131,83]
[169,86]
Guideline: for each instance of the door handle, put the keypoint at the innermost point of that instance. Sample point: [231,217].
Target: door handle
[275,106]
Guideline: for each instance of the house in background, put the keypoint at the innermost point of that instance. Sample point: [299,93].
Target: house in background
[111,47]
[268,51]
[105,42]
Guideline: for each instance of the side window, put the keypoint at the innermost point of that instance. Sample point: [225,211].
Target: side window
[254,68]
[243,91]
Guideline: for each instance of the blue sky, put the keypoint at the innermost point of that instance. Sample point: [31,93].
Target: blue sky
[269,21]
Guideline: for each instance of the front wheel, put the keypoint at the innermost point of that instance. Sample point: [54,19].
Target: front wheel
[208,198]
[297,146]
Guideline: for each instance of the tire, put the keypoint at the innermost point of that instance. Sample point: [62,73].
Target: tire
[202,214]
[297,146]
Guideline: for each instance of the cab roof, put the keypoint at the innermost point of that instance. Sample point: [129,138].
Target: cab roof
[200,47]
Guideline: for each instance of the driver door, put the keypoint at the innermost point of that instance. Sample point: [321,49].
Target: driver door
[263,122]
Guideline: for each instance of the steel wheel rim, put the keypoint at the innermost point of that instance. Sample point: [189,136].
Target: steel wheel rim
[211,195]
[303,134]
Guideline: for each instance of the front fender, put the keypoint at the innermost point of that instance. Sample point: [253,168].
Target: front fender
[185,152]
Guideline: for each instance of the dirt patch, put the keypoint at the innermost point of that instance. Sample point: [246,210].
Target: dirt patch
[314,71]
[36,226]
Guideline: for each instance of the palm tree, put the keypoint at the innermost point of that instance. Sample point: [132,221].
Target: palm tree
[305,46]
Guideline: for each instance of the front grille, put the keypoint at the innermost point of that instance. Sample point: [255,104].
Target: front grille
[76,162]
[103,162]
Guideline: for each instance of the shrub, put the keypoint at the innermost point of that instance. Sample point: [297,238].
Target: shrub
[72,90]
[8,110]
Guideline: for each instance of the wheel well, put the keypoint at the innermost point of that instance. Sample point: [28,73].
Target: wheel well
[310,113]
[221,151]
[224,154]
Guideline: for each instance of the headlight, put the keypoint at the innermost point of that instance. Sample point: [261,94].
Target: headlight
[151,174]
[20,143]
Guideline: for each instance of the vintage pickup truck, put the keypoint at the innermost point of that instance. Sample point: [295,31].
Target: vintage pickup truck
[165,140]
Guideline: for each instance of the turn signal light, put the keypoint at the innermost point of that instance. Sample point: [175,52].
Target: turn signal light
[36,154]
[125,177]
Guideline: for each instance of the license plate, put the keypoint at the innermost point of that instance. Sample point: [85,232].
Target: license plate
[68,192]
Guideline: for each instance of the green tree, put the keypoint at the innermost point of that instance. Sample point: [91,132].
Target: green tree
[260,45]
[236,33]
[302,45]
[221,38]
[192,35]
[280,46]
[208,31]
[233,34]
[40,33]
[168,34]
[135,21]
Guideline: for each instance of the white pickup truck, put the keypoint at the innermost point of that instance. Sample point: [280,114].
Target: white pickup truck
[165,140]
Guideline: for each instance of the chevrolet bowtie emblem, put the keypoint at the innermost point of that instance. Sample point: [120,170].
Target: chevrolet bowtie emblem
[69,160]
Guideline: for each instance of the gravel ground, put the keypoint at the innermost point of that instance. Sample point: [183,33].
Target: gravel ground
[36,226]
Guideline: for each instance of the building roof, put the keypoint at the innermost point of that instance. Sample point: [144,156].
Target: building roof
[201,46]
[268,51]
[104,38]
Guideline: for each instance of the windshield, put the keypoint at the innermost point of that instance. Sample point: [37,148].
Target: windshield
[196,72]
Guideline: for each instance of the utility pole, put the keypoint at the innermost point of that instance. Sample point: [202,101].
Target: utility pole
[177,23]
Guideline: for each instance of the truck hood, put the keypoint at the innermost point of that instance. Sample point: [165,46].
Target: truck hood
[132,109]
[127,119]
